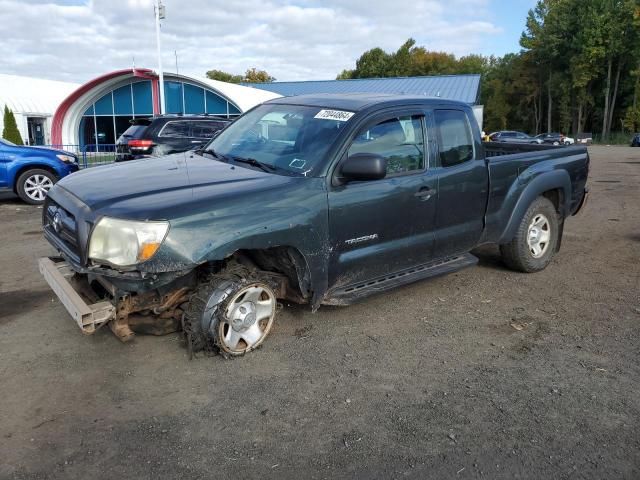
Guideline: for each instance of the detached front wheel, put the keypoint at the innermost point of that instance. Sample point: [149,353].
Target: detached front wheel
[534,244]
[232,314]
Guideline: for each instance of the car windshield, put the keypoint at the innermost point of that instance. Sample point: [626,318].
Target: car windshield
[288,139]
[135,131]
[7,142]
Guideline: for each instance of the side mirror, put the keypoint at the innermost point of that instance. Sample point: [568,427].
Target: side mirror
[364,166]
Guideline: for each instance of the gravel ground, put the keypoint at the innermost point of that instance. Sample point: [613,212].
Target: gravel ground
[485,373]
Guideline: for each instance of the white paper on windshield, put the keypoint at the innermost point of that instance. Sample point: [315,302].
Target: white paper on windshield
[339,115]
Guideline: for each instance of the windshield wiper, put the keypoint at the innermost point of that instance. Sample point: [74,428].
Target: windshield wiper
[213,153]
[265,167]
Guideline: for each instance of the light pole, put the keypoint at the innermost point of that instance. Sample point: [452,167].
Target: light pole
[159,14]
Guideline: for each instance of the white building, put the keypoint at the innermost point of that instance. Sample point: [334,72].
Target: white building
[98,112]
[33,102]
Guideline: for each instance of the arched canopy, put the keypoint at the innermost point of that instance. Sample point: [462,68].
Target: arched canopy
[100,110]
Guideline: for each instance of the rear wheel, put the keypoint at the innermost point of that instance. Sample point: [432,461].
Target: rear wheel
[33,185]
[232,313]
[534,244]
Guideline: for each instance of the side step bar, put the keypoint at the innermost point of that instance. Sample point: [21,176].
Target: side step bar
[352,293]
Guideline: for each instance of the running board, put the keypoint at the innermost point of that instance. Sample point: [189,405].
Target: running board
[352,293]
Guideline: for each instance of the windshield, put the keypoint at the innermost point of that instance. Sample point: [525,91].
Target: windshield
[135,131]
[6,142]
[289,139]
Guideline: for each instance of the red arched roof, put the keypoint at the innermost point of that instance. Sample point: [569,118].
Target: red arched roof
[61,111]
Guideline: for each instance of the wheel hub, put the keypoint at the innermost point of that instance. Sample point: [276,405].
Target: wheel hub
[539,235]
[243,316]
[534,234]
[37,186]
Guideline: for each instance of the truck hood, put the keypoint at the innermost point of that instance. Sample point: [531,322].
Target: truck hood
[160,188]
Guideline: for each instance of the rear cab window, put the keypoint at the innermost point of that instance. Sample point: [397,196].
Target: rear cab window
[455,141]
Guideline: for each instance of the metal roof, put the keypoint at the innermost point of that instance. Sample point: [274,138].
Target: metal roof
[355,102]
[464,88]
[32,95]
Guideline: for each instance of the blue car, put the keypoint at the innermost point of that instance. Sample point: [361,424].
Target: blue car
[30,172]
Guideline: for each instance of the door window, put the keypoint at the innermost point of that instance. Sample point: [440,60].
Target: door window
[175,129]
[454,137]
[399,139]
[205,129]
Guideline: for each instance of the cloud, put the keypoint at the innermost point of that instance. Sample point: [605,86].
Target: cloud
[75,41]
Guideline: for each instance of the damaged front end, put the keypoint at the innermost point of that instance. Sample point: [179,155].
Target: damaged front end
[94,301]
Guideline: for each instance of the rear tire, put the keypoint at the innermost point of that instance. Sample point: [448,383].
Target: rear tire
[33,185]
[536,238]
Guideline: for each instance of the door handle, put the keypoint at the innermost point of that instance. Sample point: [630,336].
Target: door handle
[425,193]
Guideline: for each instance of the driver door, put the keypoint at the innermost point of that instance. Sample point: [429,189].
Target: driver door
[382,226]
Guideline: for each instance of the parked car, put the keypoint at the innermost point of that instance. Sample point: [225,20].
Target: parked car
[317,199]
[510,136]
[584,138]
[167,134]
[30,172]
[635,141]
[555,139]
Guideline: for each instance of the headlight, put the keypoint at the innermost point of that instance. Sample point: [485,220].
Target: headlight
[124,242]
[66,158]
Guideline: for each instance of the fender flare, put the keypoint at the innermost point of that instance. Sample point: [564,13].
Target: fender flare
[553,180]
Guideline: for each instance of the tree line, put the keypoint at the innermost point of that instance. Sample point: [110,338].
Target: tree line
[578,69]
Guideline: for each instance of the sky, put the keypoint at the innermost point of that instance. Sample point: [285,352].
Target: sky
[75,40]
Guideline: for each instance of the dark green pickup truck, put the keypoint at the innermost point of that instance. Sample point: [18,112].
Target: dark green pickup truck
[319,199]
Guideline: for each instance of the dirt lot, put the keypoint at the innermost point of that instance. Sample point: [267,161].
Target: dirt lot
[484,373]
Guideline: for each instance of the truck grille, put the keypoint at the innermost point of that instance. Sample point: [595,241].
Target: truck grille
[61,225]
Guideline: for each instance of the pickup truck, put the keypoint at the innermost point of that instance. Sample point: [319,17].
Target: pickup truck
[30,172]
[319,199]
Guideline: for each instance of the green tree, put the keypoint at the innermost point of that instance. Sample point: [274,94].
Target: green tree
[224,76]
[373,63]
[412,60]
[252,75]
[10,131]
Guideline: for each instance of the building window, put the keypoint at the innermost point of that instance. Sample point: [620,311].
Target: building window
[108,117]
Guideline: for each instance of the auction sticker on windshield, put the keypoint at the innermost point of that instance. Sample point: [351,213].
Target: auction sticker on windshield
[338,115]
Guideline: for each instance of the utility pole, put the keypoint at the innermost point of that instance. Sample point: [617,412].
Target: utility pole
[159,14]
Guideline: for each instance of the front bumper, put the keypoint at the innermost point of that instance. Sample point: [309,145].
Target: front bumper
[89,312]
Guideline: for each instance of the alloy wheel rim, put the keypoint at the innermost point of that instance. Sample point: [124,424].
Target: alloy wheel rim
[37,186]
[248,319]
[539,235]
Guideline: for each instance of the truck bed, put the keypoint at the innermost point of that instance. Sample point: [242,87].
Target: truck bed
[512,167]
[498,149]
